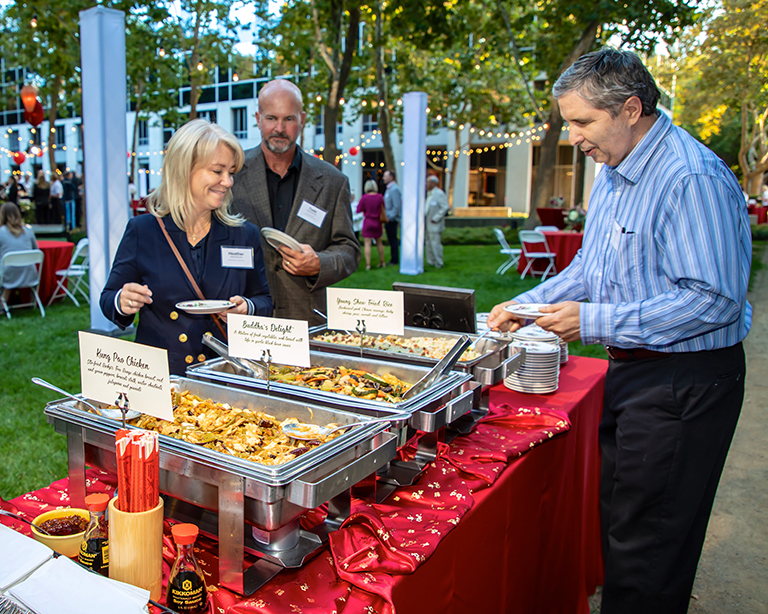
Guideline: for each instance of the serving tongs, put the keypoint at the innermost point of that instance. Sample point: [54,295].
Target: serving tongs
[441,368]
[113,414]
[255,368]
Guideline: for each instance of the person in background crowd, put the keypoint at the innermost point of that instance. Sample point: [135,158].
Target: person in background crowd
[221,251]
[765,195]
[283,188]
[69,200]
[393,206]
[57,192]
[78,181]
[357,218]
[41,195]
[436,209]
[15,236]
[664,267]
[12,191]
[371,205]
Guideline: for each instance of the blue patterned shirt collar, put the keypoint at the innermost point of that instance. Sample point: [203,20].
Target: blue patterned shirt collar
[633,166]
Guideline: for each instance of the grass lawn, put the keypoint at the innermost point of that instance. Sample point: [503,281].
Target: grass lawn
[33,456]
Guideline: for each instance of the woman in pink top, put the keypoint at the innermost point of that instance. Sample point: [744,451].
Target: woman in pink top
[371,205]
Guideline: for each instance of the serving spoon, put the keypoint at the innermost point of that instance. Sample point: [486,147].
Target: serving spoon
[114,414]
[307,432]
[29,522]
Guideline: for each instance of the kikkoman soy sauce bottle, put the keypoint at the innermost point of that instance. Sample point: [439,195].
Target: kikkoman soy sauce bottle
[186,585]
[94,551]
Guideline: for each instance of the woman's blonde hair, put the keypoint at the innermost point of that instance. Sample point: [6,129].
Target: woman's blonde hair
[41,181]
[191,147]
[370,187]
[10,216]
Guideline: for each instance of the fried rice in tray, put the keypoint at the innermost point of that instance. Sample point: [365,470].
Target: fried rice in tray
[249,434]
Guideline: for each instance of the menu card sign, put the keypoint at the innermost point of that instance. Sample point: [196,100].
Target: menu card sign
[113,369]
[380,310]
[286,340]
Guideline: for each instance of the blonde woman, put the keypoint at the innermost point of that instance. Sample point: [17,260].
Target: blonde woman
[15,236]
[371,205]
[221,251]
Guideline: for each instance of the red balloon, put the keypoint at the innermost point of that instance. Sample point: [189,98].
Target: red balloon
[39,153]
[353,151]
[36,116]
[19,157]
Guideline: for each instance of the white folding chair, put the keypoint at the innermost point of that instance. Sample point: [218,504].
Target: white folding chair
[76,271]
[22,259]
[512,253]
[535,248]
[546,229]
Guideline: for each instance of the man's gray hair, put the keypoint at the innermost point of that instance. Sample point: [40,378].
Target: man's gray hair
[607,78]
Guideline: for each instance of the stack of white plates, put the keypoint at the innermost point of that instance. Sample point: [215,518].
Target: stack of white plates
[540,372]
[532,332]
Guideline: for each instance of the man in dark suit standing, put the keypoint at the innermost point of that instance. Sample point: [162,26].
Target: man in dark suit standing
[284,188]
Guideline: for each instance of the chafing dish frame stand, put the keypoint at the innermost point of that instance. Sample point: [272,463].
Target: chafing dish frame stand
[228,525]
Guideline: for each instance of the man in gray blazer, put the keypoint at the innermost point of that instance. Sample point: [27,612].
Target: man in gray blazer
[282,187]
[436,210]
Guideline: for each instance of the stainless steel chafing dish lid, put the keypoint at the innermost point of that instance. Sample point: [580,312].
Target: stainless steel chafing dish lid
[73,412]
[218,370]
[486,347]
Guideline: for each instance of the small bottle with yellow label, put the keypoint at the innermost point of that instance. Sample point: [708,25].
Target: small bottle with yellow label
[186,584]
[94,551]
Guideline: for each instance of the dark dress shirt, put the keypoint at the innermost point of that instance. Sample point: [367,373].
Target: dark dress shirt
[282,191]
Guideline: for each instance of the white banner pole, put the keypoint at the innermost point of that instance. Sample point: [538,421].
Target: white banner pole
[102,60]
[413,175]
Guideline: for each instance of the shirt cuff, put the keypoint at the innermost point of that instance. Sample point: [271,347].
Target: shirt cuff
[117,303]
[251,308]
[597,323]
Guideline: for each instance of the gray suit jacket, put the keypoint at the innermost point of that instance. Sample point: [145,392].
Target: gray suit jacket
[339,251]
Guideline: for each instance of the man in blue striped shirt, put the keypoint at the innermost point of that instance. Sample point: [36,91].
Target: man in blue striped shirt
[661,281]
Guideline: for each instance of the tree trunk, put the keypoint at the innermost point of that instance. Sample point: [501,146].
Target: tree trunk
[381,82]
[338,82]
[193,87]
[548,153]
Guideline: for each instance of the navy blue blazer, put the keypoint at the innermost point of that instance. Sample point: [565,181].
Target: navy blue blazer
[144,257]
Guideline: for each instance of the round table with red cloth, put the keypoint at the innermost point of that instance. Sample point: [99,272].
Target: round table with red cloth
[505,520]
[563,243]
[552,216]
[57,257]
[760,212]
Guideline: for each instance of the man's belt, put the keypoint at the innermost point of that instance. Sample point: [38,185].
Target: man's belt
[635,354]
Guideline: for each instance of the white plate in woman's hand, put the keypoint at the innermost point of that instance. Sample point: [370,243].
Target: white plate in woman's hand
[205,307]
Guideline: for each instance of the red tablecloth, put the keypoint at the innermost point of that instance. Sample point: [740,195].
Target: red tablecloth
[552,216]
[564,244]
[526,542]
[761,212]
[57,257]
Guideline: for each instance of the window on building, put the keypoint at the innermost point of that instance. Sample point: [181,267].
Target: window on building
[13,141]
[36,136]
[240,122]
[61,137]
[167,133]
[143,133]
[320,124]
[370,123]
[209,115]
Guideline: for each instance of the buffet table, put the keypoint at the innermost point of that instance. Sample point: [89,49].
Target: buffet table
[563,243]
[506,520]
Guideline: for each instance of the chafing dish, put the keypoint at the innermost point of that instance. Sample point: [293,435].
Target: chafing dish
[431,409]
[447,402]
[222,493]
[496,357]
